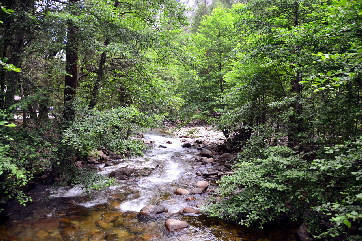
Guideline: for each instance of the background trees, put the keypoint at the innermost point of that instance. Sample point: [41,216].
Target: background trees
[76,56]
[280,78]
[290,84]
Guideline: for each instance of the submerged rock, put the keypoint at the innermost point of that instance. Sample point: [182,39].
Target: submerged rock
[173,225]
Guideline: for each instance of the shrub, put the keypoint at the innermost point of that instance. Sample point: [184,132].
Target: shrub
[283,183]
[110,129]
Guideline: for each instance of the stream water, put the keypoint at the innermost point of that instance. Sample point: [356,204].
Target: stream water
[112,214]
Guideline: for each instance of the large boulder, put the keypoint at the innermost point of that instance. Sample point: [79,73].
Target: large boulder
[175,225]
[151,210]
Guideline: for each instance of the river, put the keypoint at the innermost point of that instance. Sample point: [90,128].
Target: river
[66,213]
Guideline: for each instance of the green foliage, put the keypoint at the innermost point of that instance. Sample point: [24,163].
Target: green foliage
[12,173]
[281,182]
[110,129]
[9,67]
[86,178]
[295,80]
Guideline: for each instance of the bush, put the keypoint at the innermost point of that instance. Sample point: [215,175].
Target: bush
[283,183]
[13,173]
[110,129]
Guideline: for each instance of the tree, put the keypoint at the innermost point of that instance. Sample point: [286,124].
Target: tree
[289,45]
[71,77]
[16,28]
[75,54]
[211,52]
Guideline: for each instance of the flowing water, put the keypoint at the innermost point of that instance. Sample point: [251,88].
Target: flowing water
[112,214]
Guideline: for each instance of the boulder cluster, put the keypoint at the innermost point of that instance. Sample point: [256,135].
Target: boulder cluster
[172,224]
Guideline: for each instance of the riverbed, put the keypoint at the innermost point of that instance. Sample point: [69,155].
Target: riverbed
[67,213]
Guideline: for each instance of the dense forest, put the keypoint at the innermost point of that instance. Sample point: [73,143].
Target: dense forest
[282,79]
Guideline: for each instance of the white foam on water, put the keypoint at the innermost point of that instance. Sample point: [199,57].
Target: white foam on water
[67,192]
[94,202]
[168,166]
[137,204]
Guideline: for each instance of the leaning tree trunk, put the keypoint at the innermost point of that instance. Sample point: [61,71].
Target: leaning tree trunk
[100,72]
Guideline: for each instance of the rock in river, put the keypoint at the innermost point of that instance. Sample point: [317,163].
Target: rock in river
[181,191]
[202,184]
[186,145]
[151,210]
[175,225]
[206,153]
[190,210]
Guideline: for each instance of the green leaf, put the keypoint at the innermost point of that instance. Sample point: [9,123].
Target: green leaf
[346,222]
[342,2]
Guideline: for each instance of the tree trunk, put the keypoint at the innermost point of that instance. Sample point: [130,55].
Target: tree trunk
[296,125]
[100,72]
[71,77]
[12,48]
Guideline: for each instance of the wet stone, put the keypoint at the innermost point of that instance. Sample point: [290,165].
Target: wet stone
[104,225]
[197,190]
[152,210]
[190,210]
[69,233]
[206,153]
[202,184]
[186,145]
[206,160]
[174,225]
[111,216]
[96,236]
[181,191]
[114,205]
[88,225]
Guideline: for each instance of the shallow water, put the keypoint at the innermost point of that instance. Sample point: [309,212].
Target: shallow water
[112,214]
